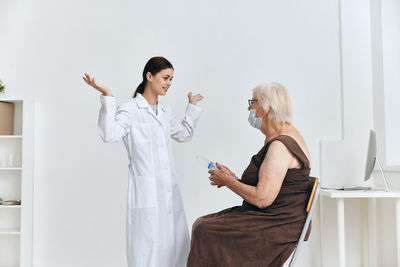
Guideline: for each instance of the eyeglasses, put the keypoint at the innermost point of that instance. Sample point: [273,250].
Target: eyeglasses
[251,101]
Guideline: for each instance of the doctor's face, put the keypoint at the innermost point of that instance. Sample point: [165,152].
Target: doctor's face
[160,82]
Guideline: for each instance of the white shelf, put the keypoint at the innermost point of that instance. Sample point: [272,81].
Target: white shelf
[16,230]
[10,168]
[10,206]
[10,232]
[10,136]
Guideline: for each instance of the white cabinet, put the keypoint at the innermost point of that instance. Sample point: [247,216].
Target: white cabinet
[16,183]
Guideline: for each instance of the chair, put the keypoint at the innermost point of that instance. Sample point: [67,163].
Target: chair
[310,209]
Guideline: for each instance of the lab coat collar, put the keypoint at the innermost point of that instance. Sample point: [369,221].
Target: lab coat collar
[142,103]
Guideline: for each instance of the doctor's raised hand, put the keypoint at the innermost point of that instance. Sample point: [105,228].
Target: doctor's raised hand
[101,88]
[193,99]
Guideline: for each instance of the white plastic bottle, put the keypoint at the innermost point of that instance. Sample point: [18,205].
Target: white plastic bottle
[207,163]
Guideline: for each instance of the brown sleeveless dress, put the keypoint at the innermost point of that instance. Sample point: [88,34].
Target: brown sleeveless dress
[246,236]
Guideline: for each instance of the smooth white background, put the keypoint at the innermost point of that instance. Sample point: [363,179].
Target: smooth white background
[221,49]
[391,67]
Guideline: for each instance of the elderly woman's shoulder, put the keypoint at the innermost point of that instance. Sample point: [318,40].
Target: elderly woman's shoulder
[295,142]
[289,140]
[278,145]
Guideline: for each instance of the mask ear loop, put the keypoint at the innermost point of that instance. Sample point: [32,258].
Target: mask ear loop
[266,112]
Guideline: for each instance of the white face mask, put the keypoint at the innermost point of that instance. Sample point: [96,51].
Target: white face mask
[253,120]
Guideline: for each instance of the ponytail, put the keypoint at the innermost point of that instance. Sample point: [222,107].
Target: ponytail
[154,66]
[140,88]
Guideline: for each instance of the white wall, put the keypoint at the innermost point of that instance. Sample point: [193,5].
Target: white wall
[219,48]
[386,61]
[391,78]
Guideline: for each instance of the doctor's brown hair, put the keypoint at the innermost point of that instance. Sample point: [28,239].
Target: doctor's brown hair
[154,66]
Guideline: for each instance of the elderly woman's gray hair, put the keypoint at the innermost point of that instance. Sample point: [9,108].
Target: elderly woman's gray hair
[275,98]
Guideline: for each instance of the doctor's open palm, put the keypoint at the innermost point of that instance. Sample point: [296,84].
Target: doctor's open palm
[193,99]
[101,88]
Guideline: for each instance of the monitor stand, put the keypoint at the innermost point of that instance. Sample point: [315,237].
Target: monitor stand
[383,175]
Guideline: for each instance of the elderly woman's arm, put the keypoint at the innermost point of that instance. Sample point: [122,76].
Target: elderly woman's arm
[270,177]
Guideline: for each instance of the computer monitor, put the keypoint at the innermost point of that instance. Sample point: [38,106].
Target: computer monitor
[371,155]
[369,168]
[372,159]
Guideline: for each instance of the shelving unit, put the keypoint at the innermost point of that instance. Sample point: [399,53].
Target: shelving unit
[10,207]
[10,231]
[16,183]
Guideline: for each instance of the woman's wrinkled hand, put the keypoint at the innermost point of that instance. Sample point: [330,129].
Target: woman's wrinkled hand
[193,99]
[91,81]
[221,176]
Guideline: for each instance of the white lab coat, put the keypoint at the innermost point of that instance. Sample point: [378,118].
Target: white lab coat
[157,232]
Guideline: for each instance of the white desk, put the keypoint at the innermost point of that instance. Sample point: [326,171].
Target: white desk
[340,195]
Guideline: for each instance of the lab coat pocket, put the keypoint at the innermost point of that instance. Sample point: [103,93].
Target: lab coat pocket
[141,132]
[144,192]
[142,162]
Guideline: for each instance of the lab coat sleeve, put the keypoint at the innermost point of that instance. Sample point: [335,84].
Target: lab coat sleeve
[183,131]
[113,125]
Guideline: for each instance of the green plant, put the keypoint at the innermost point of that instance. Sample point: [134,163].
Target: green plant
[2,87]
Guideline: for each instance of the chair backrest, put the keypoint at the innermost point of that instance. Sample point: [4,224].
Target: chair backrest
[312,201]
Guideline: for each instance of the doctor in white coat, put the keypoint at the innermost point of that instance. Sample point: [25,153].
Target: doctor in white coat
[157,232]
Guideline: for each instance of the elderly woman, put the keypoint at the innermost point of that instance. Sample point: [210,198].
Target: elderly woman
[275,188]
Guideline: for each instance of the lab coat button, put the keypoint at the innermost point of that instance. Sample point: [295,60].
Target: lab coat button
[169,212]
[169,190]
